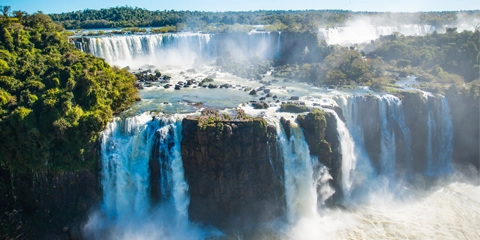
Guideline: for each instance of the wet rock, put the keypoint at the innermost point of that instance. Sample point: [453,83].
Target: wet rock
[260,105]
[294,98]
[253,92]
[232,184]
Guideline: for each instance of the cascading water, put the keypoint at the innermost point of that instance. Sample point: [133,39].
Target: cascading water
[152,48]
[387,133]
[366,33]
[349,158]
[364,170]
[180,48]
[300,188]
[277,50]
[439,144]
[127,146]
[375,145]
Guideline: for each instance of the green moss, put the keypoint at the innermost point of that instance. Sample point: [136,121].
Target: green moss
[293,108]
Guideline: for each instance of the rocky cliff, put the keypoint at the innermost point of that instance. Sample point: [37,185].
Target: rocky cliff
[234,175]
[47,205]
[465,110]
[320,130]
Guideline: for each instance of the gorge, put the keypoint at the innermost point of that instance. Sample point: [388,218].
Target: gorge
[271,174]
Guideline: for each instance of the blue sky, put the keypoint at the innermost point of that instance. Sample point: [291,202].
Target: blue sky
[57,6]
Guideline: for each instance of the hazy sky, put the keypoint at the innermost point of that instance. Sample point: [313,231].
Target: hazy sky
[57,6]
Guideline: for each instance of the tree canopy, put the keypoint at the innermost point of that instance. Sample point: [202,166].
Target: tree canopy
[54,99]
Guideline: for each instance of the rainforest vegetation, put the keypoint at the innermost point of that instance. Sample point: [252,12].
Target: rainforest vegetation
[438,60]
[292,20]
[54,99]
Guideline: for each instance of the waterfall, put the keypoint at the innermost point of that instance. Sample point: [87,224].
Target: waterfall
[396,109]
[300,188]
[364,171]
[439,146]
[152,48]
[179,48]
[126,147]
[366,33]
[172,182]
[349,159]
[125,151]
[387,133]
[277,50]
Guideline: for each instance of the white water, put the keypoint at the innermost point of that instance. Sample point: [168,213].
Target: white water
[127,146]
[366,33]
[439,138]
[373,209]
[349,159]
[157,49]
[180,49]
[300,188]
[387,142]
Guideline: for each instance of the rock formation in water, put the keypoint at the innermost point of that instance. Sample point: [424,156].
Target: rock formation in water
[233,172]
[320,130]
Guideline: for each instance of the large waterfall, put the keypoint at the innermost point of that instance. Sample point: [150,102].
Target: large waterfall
[385,152]
[152,48]
[366,33]
[180,48]
[439,137]
[128,147]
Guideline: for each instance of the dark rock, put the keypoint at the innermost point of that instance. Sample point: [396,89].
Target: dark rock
[227,167]
[465,111]
[293,108]
[253,92]
[286,126]
[294,98]
[260,105]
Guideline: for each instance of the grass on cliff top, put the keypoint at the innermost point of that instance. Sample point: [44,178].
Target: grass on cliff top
[211,117]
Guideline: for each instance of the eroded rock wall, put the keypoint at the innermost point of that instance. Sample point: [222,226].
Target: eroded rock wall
[234,175]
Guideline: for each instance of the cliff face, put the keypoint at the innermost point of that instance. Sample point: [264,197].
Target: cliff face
[416,117]
[465,110]
[235,178]
[320,130]
[47,204]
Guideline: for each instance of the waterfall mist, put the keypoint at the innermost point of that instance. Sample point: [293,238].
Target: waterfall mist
[127,211]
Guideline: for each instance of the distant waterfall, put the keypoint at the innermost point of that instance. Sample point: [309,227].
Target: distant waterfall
[277,50]
[180,48]
[152,48]
[127,146]
[366,33]
[439,137]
